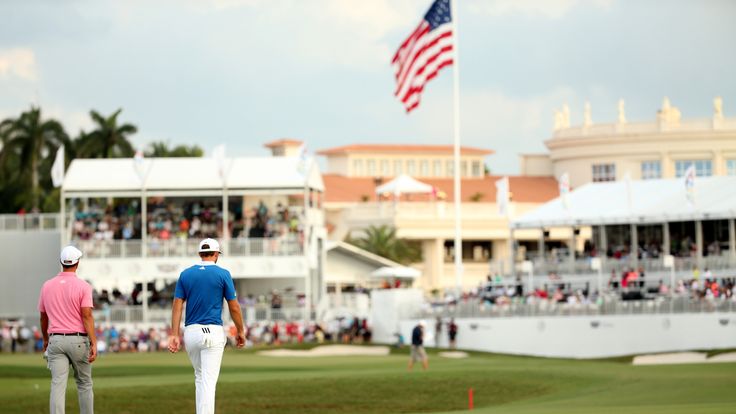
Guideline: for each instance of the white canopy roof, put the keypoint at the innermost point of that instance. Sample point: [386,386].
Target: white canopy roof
[403,184]
[396,271]
[646,201]
[182,174]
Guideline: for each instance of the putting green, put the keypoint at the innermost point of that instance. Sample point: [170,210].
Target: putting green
[249,383]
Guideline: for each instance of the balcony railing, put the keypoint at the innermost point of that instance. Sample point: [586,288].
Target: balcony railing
[259,247]
[25,222]
[136,314]
[660,305]
[583,266]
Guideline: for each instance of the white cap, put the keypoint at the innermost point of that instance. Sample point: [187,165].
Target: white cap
[70,256]
[209,245]
[422,324]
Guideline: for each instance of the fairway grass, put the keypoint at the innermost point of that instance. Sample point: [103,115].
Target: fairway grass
[163,383]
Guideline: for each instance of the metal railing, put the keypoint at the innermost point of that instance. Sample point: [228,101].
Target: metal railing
[583,266]
[259,247]
[125,314]
[30,221]
[659,305]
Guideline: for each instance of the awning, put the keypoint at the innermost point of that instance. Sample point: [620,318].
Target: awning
[643,201]
[191,174]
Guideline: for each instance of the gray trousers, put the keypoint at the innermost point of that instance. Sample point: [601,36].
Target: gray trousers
[63,351]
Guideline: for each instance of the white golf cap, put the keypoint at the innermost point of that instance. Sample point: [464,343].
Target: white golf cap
[422,324]
[70,256]
[209,245]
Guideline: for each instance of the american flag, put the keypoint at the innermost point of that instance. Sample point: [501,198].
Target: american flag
[423,54]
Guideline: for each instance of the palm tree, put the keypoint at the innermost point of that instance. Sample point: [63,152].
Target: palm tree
[32,139]
[162,149]
[382,240]
[108,139]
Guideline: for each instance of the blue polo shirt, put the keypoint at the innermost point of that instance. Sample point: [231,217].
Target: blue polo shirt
[203,286]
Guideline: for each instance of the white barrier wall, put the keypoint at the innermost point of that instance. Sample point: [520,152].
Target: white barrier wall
[388,308]
[588,336]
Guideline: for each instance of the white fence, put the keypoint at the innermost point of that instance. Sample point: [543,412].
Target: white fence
[118,314]
[286,246]
[24,222]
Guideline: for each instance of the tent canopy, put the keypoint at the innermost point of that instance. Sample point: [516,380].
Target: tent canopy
[645,201]
[404,184]
[182,174]
[396,271]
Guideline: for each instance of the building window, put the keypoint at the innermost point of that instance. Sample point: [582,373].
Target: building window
[703,168]
[476,169]
[437,168]
[370,168]
[651,170]
[604,172]
[384,168]
[358,167]
[411,167]
[398,167]
[463,168]
[450,168]
[731,167]
[424,168]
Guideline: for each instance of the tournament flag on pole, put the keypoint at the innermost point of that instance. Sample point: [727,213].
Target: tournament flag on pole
[564,183]
[423,54]
[57,169]
[689,178]
[502,196]
[218,154]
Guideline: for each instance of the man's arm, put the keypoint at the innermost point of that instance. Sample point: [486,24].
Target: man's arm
[237,317]
[45,330]
[89,327]
[176,310]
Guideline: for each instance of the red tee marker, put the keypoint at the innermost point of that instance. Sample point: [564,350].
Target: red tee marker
[470,398]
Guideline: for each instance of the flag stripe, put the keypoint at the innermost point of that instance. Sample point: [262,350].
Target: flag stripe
[424,74]
[413,103]
[418,59]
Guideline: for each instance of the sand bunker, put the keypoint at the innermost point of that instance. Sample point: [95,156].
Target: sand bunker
[329,350]
[453,354]
[683,358]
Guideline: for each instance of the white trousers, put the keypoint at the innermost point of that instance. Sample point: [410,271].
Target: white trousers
[204,345]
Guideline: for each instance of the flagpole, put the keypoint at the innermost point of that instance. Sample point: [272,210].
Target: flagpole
[456,149]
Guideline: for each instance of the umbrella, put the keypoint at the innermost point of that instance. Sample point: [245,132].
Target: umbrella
[397,271]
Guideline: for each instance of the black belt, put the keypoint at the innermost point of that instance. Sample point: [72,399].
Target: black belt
[68,334]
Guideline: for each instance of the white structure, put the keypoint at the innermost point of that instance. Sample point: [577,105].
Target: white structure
[646,213]
[663,147]
[287,258]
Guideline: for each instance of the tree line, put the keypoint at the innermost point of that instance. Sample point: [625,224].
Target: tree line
[28,145]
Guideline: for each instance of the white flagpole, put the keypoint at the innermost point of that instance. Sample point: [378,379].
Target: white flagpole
[456,111]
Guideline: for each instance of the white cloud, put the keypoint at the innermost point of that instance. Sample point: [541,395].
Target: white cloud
[491,119]
[18,63]
[552,9]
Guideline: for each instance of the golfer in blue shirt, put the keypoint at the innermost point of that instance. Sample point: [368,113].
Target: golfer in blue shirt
[203,287]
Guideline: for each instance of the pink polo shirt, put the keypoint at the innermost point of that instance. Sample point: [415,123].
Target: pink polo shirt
[62,299]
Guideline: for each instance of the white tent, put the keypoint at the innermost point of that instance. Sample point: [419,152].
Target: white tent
[645,201]
[404,184]
[168,175]
[396,271]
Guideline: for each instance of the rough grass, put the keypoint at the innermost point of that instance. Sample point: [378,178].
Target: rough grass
[163,383]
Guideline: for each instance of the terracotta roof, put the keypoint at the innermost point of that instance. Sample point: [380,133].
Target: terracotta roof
[339,188]
[402,148]
[283,141]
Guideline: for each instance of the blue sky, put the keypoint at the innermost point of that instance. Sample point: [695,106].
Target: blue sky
[242,72]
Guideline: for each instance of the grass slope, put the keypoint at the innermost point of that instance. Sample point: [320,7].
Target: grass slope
[163,383]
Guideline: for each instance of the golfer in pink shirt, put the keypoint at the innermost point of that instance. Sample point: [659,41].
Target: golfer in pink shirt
[68,332]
